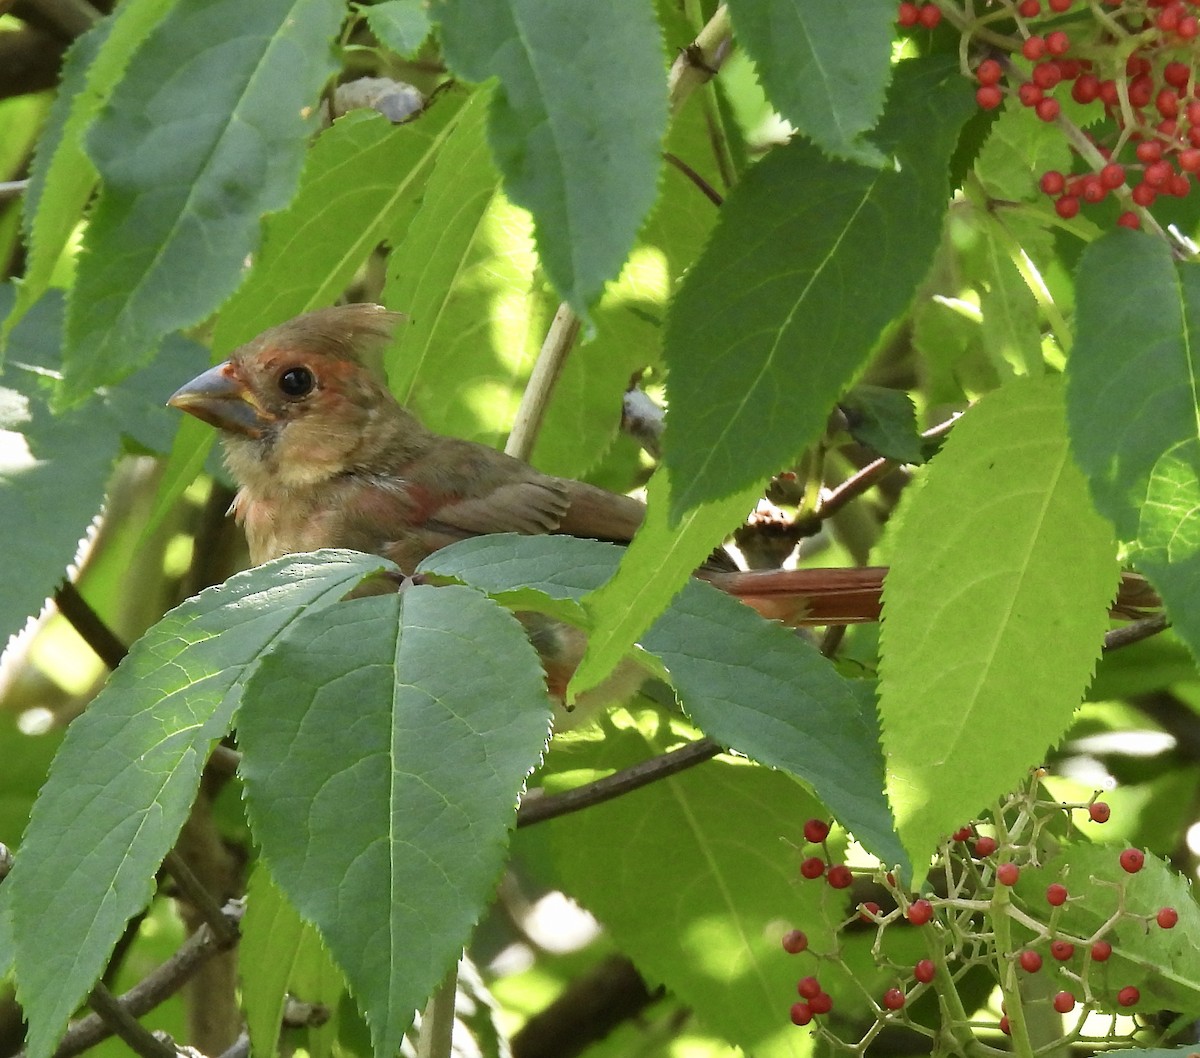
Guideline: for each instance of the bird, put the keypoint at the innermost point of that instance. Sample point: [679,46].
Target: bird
[326,457]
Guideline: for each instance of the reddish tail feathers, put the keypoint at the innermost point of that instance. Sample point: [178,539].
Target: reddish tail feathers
[853,596]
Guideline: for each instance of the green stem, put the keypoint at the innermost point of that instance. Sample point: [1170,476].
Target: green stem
[437,1022]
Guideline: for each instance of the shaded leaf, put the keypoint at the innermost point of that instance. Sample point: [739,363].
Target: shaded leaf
[824,66]
[577,122]
[205,134]
[401,25]
[885,420]
[770,326]
[424,710]
[129,768]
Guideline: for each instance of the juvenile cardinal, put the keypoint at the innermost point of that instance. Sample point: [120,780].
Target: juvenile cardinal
[326,457]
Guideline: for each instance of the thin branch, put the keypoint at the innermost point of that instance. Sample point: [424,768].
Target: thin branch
[709,192]
[194,892]
[537,807]
[1135,631]
[140,1039]
[150,991]
[536,398]
[437,1021]
[10,189]
[698,63]
[92,630]
[871,474]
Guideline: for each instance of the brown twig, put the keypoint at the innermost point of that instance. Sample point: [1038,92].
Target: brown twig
[537,807]
[140,1039]
[1135,631]
[709,192]
[92,630]
[149,992]
[201,899]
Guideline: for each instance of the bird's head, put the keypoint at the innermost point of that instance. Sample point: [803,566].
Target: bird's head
[303,401]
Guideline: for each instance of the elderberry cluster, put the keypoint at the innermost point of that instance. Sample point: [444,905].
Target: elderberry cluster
[1129,71]
[1001,896]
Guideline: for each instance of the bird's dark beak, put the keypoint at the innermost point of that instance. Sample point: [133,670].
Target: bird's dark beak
[220,398]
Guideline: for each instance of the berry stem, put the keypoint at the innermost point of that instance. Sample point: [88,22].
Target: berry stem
[1001,909]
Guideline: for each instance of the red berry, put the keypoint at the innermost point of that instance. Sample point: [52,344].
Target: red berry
[1086,88]
[1058,43]
[984,847]
[1030,94]
[1062,950]
[1064,1002]
[1056,894]
[989,72]
[821,1003]
[924,971]
[1141,91]
[919,912]
[1128,996]
[1030,961]
[1157,173]
[1168,18]
[1166,103]
[1048,109]
[1093,189]
[1132,860]
[801,1014]
[1029,8]
[1101,950]
[839,876]
[930,15]
[893,999]
[1052,182]
[1004,1026]
[962,834]
[816,831]
[813,867]
[1148,151]
[988,97]
[1059,6]
[1193,113]
[1129,219]
[869,911]
[908,14]
[1046,75]
[1067,207]
[795,941]
[1108,93]
[1176,74]
[1034,47]
[1008,873]
[1178,185]
[1111,176]
[1189,160]
[1167,917]
[808,987]
[1189,27]
[1143,195]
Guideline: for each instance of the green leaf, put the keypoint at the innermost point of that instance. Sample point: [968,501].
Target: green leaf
[464,275]
[385,742]
[884,420]
[774,320]
[1132,404]
[698,884]
[361,178]
[657,563]
[205,134]
[1019,148]
[129,769]
[55,467]
[401,25]
[279,954]
[577,122]
[62,177]
[1160,963]
[993,612]
[1011,331]
[758,688]
[825,66]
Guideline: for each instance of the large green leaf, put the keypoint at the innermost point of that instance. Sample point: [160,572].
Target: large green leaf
[1133,397]
[994,612]
[128,770]
[810,261]
[577,122]
[54,467]
[825,66]
[62,177]
[362,177]
[384,744]
[699,881]
[204,135]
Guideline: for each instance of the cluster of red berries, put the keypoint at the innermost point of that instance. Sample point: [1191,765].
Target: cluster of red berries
[1130,63]
[982,871]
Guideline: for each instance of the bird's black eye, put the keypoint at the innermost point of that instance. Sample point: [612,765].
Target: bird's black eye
[296,382]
